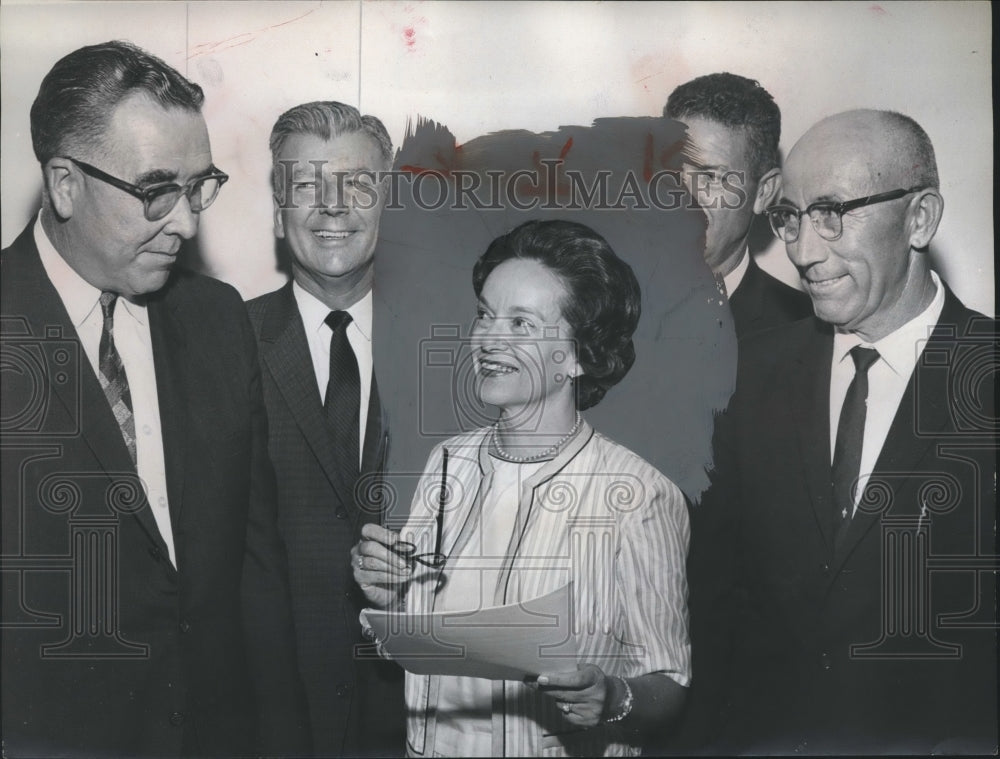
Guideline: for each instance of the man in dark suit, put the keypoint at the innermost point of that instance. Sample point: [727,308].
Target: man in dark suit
[145,590]
[843,563]
[731,168]
[328,436]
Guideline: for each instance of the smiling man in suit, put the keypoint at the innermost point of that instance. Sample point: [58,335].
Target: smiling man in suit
[845,554]
[328,435]
[731,169]
[145,592]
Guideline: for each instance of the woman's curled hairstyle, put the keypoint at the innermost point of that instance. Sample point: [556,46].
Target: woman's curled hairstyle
[603,297]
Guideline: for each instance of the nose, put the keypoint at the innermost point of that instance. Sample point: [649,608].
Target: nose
[182,221]
[490,334]
[809,248]
[335,197]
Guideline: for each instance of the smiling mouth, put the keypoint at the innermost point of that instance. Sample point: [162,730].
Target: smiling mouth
[824,284]
[493,368]
[326,234]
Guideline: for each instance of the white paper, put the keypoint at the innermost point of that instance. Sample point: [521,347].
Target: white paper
[498,643]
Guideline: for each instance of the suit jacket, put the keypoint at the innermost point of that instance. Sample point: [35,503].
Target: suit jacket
[761,302]
[107,648]
[320,518]
[886,643]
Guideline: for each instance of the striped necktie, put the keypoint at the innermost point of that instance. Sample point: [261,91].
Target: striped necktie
[114,382]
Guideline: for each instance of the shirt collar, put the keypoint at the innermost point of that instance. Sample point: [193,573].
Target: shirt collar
[78,296]
[314,311]
[732,279]
[900,349]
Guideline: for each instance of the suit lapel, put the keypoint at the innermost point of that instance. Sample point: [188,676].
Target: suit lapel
[34,297]
[747,301]
[810,398]
[285,353]
[169,348]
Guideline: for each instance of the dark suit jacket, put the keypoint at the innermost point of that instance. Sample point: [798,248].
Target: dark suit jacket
[320,519]
[883,645]
[761,302]
[107,649]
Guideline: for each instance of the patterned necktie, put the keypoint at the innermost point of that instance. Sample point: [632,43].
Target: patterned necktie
[850,439]
[342,401]
[112,375]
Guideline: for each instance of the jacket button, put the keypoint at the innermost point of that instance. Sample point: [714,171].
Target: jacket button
[824,661]
[825,568]
[177,719]
[185,627]
[343,689]
[154,552]
[341,514]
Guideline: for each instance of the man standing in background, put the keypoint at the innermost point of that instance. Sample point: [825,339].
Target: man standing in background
[733,128]
[145,589]
[328,436]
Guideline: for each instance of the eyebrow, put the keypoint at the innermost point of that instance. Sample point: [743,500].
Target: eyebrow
[155,176]
[783,201]
[517,310]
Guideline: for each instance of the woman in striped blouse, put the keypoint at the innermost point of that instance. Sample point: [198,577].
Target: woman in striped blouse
[540,499]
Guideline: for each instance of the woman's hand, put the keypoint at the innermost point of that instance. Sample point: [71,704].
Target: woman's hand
[381,573]
[580,695]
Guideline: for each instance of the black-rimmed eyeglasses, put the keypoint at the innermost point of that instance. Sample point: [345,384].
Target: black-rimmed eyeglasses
[826,216]
[159,199]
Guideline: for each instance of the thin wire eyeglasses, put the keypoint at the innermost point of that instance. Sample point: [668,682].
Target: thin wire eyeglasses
[826,216]
[159,199]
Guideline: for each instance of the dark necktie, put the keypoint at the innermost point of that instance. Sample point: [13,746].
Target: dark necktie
[342,401]
[850,438]
[113,379]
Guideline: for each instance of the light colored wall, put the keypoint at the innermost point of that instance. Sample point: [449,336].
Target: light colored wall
[482,67]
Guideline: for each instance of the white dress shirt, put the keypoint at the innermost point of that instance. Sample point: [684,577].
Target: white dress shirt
[359,335]
[732,279]
[132,339]
[888,377]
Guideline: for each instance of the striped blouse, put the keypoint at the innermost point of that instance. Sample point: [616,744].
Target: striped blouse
[597,515]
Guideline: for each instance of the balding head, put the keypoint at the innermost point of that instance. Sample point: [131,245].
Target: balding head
[887,147]
[874,276]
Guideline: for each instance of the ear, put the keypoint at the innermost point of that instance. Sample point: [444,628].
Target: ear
[279,224]
[924,216]
[63,185]
[767,190]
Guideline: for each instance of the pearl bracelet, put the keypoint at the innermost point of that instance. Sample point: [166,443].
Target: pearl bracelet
[626,706]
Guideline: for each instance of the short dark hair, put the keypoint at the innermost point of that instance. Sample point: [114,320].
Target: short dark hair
[327,119]
[77,96]
[738,103]
[603,302]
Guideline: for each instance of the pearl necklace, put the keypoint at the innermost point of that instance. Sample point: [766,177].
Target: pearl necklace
[538,456]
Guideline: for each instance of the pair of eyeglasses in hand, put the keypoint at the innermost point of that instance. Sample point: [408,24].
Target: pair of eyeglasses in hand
[408,550]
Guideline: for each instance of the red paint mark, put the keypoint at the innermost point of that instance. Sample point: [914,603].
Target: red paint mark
[445,172]
[410,35]
[649,153]
[878,9]
[648,76]
[240,39]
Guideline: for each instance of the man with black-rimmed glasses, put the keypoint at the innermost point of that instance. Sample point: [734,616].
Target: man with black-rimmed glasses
[145,594]
[846,550]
